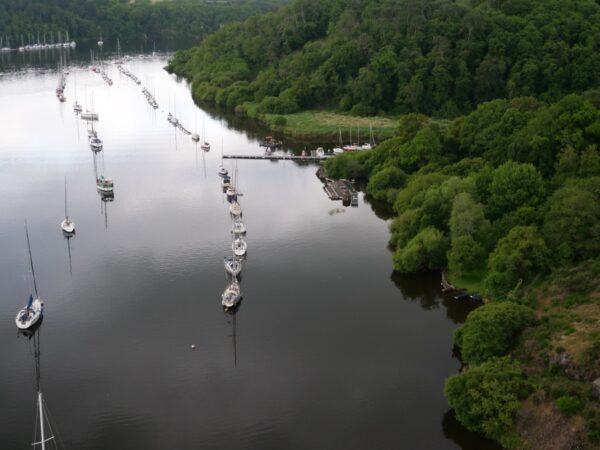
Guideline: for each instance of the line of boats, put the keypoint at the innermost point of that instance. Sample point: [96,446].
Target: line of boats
[232,295]
[40,44]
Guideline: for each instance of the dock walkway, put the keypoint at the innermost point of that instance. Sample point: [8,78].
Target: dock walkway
[278,157]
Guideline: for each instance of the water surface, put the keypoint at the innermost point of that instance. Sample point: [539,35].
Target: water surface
[329,349]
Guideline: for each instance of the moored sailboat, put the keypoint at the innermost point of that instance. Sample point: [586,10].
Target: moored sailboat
[33,311]
[67,225]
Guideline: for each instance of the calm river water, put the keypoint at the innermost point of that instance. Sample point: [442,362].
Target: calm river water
[329,349]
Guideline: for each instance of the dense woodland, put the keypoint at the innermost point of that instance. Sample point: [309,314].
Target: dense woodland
[131,22]
[436,57]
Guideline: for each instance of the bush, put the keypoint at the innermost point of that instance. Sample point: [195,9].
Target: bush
[426,251]
[568,405]
[491,330]
[487,398]
[520,255]
[384,180]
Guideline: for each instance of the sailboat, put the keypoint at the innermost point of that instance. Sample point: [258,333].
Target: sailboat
[222,170]
[233,266]
[205,145]
[104,184]
[76,106]
[235,209]
[232,295]
[34,309]
[238,227]
[67,225]
[100,41]
[337,150]
[239,247]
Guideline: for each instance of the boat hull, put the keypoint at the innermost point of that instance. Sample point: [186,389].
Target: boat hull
[28,317]
[68,226]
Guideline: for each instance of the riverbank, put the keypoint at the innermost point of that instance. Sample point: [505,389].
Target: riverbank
[326,125]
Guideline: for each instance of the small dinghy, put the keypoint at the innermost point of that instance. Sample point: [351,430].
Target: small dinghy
[239,247]
[195,137]
[235,209]
[231,296]
[233,266]
[238,227]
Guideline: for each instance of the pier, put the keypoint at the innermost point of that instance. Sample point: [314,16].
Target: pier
[279,157]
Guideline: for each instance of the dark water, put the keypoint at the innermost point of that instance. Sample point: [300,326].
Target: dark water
[329,349]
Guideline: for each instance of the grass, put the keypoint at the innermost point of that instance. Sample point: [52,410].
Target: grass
[472,282]
[325,124]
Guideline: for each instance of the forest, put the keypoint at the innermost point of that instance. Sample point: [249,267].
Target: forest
[366,57]
[179,21]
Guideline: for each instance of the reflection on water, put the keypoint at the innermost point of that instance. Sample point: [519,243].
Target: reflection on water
[326,351]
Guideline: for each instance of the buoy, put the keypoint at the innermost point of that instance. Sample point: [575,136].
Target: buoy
[193,346]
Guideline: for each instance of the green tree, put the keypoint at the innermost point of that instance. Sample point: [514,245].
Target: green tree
[426,251]
[491,330]
[514,185]
[487,398]
[520,255]
[572,223]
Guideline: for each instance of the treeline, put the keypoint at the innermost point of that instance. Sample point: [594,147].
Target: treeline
[436,57]
[508,196]
[131,22]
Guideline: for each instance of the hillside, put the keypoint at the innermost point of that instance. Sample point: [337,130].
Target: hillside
[131,22]
[436,57]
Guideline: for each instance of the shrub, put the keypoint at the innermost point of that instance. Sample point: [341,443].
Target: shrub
[491,330]
[568,405]
[486,398]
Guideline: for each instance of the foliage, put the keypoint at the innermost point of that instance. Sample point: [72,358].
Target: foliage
[491,330]
[426,251]
[487,397]
[24,21]
[568,405]
[440,58]
[385,182]
[572,223]
[519,257]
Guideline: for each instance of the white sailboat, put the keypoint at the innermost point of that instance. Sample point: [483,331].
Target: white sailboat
[33,311]
[43,424]
[239,247]
[104,184]
[222,170]
[205,145]
[67,225]
[235,209]
[238,227]
[232,295]
[233,266]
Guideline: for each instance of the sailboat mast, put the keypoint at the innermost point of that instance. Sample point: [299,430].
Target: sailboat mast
[66,214]
[31,260]
[43,438]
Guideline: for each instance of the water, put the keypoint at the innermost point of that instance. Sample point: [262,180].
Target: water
[329,349]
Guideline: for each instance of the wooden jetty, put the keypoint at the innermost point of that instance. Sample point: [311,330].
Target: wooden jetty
[279,157]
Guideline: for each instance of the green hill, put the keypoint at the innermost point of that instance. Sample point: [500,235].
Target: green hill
[437,57]
[131,22]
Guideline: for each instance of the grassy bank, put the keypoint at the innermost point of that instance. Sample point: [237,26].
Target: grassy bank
[326,125]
